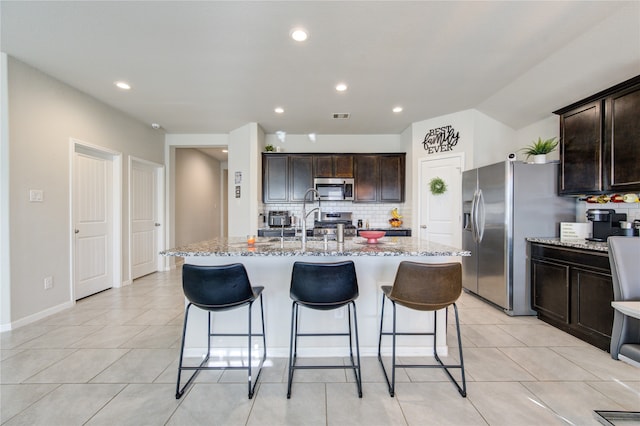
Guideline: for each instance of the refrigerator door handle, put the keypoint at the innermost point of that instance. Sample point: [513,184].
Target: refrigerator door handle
[474,207]
[480,216]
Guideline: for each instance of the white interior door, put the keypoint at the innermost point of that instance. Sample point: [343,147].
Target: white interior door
[441,215]
[93,222]
[145,225]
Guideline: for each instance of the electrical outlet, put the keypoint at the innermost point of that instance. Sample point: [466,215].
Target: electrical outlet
[48,283]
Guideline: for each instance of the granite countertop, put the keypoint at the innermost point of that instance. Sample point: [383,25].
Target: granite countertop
[356,246]
[585,245]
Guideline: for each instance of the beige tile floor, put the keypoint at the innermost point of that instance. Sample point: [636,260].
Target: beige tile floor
[112,360]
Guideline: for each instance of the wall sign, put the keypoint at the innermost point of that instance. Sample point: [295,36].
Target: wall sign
[441,139]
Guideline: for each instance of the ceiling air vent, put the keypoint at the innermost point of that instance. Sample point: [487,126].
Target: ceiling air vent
[341,115]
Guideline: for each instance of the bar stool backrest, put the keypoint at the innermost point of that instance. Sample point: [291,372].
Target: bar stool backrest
[624,256]
[216,287]
[427,286]
[324,285]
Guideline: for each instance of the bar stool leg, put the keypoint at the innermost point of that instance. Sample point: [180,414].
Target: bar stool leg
[250,391]
[462,391]
[253,383]
[393,353]
[357,373]
[179,391]
[292,345]
[390,383]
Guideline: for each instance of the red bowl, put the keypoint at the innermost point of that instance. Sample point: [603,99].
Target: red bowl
[372,236]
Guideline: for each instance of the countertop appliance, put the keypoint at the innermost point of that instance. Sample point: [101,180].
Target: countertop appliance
[502,204]
[279,218]
[606,223]
[334,189]
[328,224]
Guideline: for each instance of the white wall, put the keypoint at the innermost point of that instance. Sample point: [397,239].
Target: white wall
[245,145]
[5,252]
[337,143]
[44,114]
[493,139]
[546,128]
[197,196]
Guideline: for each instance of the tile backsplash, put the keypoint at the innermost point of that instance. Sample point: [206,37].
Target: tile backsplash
[378,215]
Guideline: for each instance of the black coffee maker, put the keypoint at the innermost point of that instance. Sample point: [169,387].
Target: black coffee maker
[606,223]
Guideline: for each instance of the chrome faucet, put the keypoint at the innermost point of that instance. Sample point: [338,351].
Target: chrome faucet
[305,214]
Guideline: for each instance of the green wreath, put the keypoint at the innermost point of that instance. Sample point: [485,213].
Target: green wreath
[437,186]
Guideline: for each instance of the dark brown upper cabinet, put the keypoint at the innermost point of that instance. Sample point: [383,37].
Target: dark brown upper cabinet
[379,178]
[366,178]
[581,149]
[392,175]
[275,178]
[622,140]
[600,142]
[300,176]
[338,165]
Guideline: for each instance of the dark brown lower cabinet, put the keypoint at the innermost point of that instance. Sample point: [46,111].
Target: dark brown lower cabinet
[572,290]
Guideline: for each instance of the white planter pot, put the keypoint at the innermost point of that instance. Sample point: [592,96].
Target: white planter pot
[540,159]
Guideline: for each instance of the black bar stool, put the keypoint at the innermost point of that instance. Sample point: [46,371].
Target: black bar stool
[324,286]
[423,287]
[215,289]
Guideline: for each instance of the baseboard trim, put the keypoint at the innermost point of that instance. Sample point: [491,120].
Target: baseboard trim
[37,316]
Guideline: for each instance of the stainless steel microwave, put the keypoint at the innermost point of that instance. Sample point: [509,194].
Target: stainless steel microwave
[334,189]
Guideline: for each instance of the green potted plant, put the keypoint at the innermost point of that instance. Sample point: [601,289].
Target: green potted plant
[268,148]
[540,149]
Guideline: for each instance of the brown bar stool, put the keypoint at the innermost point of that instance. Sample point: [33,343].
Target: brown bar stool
[423,287]
[216,289]
[324,286]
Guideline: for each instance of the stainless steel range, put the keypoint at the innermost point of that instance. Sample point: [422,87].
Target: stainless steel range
[329,222]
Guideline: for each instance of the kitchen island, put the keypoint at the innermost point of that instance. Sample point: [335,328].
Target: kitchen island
[269,263]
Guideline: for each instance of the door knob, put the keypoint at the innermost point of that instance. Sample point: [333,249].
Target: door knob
[156,224]
[77,231]
[423,226]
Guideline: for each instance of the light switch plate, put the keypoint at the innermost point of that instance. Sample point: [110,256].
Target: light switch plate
[36,195]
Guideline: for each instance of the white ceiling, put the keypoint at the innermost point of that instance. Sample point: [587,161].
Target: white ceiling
[213,66]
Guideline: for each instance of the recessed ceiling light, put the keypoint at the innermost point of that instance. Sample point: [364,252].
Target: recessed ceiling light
[397,109]
[312,137]
[341,87]
[299,34]
[279,110]
[122,85]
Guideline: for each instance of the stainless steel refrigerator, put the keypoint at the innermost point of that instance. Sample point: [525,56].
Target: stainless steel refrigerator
[503,204]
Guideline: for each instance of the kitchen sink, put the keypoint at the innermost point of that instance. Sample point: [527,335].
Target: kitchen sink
[309,239]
